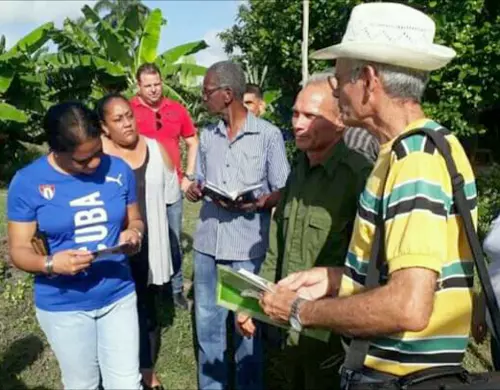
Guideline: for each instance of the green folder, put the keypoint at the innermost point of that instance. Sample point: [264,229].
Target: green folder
[230,286]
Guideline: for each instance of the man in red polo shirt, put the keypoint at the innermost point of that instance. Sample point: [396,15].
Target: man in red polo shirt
[167,121]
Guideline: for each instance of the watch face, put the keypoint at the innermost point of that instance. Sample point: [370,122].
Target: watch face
[296,325]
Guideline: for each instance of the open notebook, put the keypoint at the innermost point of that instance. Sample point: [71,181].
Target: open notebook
[239,291]
[216,193]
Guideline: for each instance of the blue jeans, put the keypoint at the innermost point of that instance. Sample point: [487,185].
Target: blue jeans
[211,331]
[174,215]
[350,378]
[87,343]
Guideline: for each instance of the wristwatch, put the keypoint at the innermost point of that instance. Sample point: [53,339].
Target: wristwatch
[190,177]
[294,318]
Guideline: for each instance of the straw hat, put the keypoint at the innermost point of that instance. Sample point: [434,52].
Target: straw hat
[390,33]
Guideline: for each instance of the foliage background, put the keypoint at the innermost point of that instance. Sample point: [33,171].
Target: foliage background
[94,56]
[463,96]
[269,33]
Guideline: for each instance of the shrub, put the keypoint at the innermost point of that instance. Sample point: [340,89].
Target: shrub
[15,156]
[488,188]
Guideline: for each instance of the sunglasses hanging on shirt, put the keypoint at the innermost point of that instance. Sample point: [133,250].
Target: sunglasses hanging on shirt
[158,121]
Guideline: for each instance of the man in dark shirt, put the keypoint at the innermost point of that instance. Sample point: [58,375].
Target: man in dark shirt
[313,223]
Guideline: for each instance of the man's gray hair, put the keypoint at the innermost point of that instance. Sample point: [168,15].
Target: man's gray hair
[320,77]
[230,75]
[398,82]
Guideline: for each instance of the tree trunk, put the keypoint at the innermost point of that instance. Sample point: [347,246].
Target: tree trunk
[305,40]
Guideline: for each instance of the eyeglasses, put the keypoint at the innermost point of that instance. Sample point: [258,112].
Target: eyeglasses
[205,94]
[159,125]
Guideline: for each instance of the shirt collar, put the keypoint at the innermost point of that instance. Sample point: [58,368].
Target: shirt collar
[137,101]
[251,126]
[386,147]
[337,154]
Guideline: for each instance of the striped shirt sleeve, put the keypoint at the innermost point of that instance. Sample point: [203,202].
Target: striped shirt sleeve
[360,140]
[416,204]
[200,166]
[278,168]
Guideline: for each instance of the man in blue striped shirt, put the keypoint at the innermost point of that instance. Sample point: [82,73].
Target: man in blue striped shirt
[240,151]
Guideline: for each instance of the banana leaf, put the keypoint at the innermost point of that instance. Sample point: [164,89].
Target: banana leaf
[11,113]
[6,76]
[115,50]
[170,56]
[34,40]
[150,38]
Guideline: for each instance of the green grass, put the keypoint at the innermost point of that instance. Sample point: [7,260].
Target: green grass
[26,361]
[3,214]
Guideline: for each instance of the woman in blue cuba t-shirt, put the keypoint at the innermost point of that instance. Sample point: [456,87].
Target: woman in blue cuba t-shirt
[81,200]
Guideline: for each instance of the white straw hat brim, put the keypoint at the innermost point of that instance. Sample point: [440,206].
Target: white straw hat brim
[429,58]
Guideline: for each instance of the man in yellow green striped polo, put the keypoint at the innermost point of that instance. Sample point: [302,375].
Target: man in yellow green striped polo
[419,318]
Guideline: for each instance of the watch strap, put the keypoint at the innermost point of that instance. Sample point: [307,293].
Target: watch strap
[294,312]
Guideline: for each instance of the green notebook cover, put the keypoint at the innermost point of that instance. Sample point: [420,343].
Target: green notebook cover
[231,284]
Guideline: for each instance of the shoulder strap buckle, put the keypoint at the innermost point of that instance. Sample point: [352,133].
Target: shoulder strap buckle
[457,183]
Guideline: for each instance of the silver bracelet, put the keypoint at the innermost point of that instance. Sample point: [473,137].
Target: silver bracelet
[49,265]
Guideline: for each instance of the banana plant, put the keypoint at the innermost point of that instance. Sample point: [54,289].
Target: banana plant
[253,76]
[22,95]
[115,53]
[2,44]
[117,8]
[20,88]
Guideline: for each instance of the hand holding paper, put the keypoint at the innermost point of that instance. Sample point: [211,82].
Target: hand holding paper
[278,304]
[311,284]
[71,262]
[238,291]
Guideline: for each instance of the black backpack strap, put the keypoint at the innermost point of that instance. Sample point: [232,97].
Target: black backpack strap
[461,204]
[359,347]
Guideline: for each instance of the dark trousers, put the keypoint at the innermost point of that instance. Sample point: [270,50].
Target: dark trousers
[146,308]
[310,364]
[495,354]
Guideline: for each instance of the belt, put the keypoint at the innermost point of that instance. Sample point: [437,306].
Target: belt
[378,375]
[349,377]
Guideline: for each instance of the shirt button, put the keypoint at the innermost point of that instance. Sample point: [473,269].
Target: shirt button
[224,182]
[227,165]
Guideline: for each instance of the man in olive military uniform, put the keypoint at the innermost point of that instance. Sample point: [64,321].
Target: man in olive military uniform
[313,223]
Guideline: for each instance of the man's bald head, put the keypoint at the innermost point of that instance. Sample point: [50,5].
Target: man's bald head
[316,120]
[323,85]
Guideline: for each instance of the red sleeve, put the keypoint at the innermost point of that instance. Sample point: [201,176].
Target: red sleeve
[187,129]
